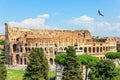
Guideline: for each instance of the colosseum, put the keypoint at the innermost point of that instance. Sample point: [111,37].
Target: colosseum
[20,41]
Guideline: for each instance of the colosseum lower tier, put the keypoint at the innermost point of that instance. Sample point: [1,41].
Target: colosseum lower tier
[20,41]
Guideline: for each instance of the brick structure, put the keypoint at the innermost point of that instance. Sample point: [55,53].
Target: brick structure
[20,41]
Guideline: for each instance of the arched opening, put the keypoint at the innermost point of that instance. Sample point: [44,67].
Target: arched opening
[17,59]
[106,49]
[109,48]
[61,49]
[46,50]
[97,49]
[56,45]
[26,44]
[85,50]
[81,48]
[25,62]
[100,49]
[51,50]
[103,48]
[26,49]
[21,61]
[65,48]
[93,49]
[90,49]
[29,49]
[51,61]
[55,51]
[75,44]
[14,47]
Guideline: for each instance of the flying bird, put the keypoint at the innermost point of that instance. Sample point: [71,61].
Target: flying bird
[100,13]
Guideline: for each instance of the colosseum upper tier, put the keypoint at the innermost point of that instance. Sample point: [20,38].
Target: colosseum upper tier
[20,41]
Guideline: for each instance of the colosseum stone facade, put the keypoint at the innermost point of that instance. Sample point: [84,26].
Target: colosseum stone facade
[20,41]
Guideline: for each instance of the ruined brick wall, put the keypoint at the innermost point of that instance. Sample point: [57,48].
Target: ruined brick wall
[20,41]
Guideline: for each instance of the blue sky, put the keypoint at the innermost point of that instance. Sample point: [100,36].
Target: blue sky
[63,14]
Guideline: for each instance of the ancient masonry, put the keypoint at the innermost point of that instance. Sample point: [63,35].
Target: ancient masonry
[20,41]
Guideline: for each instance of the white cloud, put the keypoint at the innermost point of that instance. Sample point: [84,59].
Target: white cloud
[118,17]
[103,28]
[44,16]
[38,22]
[82,19]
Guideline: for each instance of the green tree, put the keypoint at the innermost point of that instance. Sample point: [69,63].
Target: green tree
[113,55]
[88,61]
[118,49]
[60,58]
[38,68]
[117,69]
[3,70]
[103,70]
[2,42]
[71,67]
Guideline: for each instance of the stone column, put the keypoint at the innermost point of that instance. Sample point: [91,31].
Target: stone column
[22,60]
[14,60]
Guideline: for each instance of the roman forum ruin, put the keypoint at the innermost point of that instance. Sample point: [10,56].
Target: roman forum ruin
[20,41]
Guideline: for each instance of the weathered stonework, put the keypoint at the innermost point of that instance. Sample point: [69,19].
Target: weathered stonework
[20,41]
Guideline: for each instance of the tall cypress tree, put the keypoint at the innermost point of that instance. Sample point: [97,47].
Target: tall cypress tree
[72,67]
[3,70]
[38,68]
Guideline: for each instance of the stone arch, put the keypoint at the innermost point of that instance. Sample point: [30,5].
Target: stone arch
[81,49]
[46,50]
[25,61]
[103,48]
[51,61]
[51,50]
[89,49]
[26,49]
[55,51]
[97,49]
[93,49]
[100,49]
[75,44]
[85,49]
[61,49]
[109,48]
[21,61]
[65,48]
[25,44]
[14,47]
[106,48]
[17,58]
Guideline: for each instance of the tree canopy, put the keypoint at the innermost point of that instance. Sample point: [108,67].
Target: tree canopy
[112,55]
[60,58]
[103,70]
[87,60]
[38,68]
[70,63]
[2,42]
[3,70]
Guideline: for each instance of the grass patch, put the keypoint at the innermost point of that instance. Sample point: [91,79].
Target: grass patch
[18,74]
[14,74]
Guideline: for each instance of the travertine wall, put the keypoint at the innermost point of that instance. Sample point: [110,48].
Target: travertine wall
[20,41]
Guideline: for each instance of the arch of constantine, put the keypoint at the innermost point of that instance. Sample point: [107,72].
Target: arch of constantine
[20,41]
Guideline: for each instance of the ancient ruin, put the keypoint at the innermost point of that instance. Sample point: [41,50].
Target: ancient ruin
[20,41]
